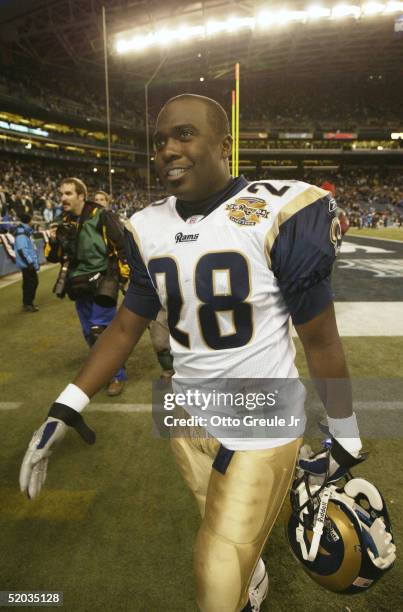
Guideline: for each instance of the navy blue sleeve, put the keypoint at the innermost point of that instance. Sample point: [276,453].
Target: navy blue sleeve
[141,296]
[302,258]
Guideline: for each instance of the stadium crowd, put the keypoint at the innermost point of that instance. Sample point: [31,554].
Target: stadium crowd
[371,199]
[32,188]
[346,105]
[49,92]
[373,100]
[368,197]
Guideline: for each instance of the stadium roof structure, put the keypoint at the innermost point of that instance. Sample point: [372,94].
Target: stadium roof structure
[68,34]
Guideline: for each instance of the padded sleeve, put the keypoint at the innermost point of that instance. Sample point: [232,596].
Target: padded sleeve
[141,296]
[302,258]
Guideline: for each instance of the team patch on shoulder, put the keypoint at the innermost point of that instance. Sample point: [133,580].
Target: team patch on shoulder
[332,204]
[247,210]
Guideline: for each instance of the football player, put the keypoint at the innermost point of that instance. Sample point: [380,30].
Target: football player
[234,262]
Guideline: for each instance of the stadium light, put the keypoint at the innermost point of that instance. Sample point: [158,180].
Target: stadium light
[284,16]
[142,42]
[184,32]
[393,7]
[137,43]
[372,8]
[165,37]
[317,12]
[265,18]
[345,10]
[214,27]
[122,46]
[234,24]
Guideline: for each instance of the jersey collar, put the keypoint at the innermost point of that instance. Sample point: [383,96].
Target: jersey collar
[205,207]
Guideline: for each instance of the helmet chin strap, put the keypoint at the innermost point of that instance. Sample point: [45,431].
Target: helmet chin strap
[310,555]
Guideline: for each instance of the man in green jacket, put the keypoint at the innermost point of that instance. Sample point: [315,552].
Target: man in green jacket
[89,244]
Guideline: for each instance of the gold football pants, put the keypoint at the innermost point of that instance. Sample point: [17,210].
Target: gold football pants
[238,511]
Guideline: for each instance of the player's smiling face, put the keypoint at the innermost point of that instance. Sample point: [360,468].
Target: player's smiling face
[190,157]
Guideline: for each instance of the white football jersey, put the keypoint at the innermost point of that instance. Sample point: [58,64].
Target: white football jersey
[226,312]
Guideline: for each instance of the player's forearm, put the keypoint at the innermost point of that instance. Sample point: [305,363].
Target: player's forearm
[327,363]
[111,351]
[328,369]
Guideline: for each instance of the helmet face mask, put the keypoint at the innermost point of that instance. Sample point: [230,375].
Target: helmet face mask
[341,535]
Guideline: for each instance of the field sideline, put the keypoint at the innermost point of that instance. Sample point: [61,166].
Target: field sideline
[390,233]
[115,525]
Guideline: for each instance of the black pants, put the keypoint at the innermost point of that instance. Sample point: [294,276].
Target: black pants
[29,285]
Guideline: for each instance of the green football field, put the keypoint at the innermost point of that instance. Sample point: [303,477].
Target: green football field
[114,526]
[390,233]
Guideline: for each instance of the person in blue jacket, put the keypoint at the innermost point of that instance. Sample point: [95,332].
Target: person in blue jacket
[26,259]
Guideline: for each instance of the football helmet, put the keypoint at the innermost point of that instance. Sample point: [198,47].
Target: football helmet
[341,535]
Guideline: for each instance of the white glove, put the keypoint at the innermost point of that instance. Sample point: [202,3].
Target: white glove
[330,464]
[35,463]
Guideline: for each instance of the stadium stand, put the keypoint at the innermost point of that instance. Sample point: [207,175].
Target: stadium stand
[368,198]
[31,186]
[370,101]
[48,92]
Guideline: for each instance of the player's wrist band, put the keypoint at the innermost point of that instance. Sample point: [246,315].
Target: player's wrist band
[73,419]
[74,397]
[346,433]
[343,457]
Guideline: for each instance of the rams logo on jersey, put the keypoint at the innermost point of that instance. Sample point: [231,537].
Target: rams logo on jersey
[247,211]
[336,235]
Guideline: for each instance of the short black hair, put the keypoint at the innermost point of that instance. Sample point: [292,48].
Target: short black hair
[215,112]
[25,218]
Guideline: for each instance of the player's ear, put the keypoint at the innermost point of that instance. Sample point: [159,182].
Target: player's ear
[226,147]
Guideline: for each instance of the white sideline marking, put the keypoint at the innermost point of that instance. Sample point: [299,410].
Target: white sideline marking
[119,408]
[369,318]
[10,405]
[10,279]
[353,247]
[359,406]
[15,277]
[92,407]
[374,405]
[375,238]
